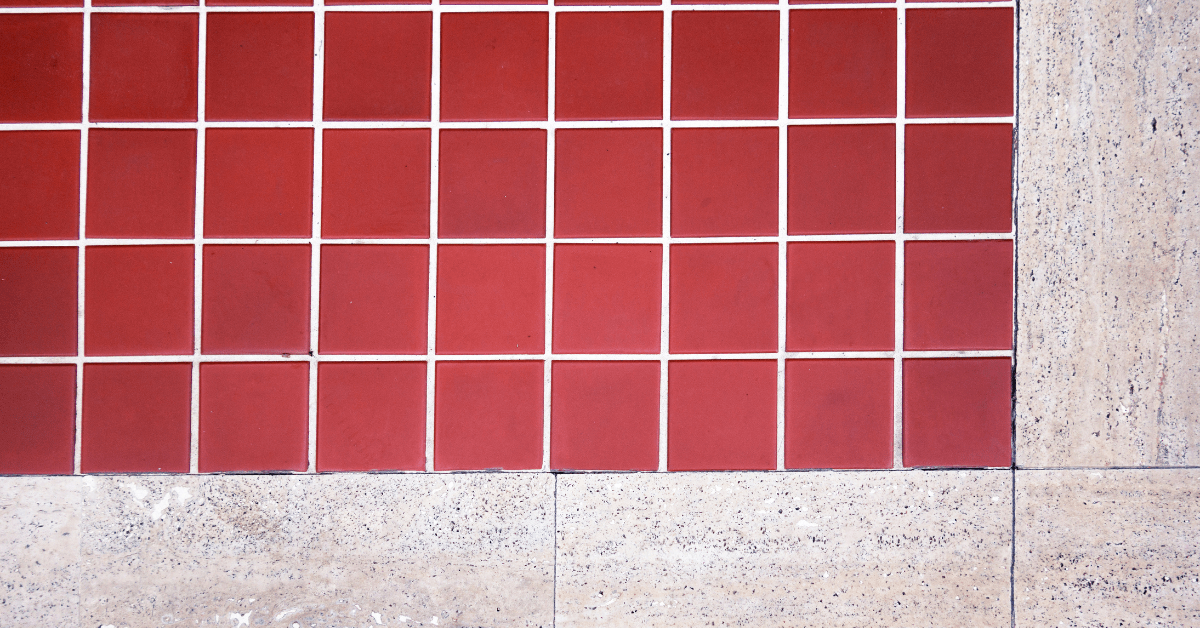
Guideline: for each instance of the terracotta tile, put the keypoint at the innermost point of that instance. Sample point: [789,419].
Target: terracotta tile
[958,177]
[377,66]
[841,296]
[374,299]
[488,415]
[38,290]
[491,299]
[725,65]
[256,299]
[371,416]
[607,298]
[494,66]
[39,184]
[138,300]
[958,413]
[721,415]
[604,416]
[724,298]
[842,64]
[608,66]
[839,414]
[959,62]
[37,419]
[143,67]
[608,183]
[725,182]
[258,183]
[259,66]
[141,183]
[253,417]
[492,183]
[41,60]
[136,418]
[958,295]
[842,179]
[375,183]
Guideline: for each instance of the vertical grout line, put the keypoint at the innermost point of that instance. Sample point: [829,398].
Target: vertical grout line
[314,311]
[664,332]
[547,347]
[781,364]
[435,107]
[898,361]
[197,237]
[1012,563]
[81,252]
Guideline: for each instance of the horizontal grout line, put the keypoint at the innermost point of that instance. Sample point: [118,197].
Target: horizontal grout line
[508,8]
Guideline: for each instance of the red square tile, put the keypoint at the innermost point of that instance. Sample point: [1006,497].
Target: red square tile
[604,416]
[377,66]
[603,2]
[150,3]
[488,415]
[725,182]
[143,67]
[253,417]
[841,296]
[724,298]
[371,416]
[839,414]
[374,299]
[842,179]
[958,177]
[41,3]
[258,183]
[607,298]
[842,64]
[959,62]
[39,184]
[38,290]
[725,65]
[958,413]
[491,299]
[41,60]
[136,418]
[721,415]
[217,3]
[958,295]
[138,300]
[494,66]
[608,66]
[259,67]
[256,299]
[37,418]
[492,183]
[375,183]
[841,1]
[608,183]
[141,183]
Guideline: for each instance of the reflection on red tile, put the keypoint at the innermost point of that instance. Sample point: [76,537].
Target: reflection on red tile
[607,298]
[842,64]
[39,184]
[41,60]
[138,300]
[491,299]
[136,418]
[839,414]
[721,415]
[958,412]
[958,295]
[143,67]
[724,298]
[371,416]
[609,66]
[141,183]
[841,296]
[377,66]
[725,182]
[38,420]
[258,183]
[373,299]
[725,65]
[959,62]
[842,179]
[604,416]
[958,177]
[492,183]
[38,289]
[259,66]
[255,299]
[375,183]
[608,183]
[488,415]
[253,417]
[494,66]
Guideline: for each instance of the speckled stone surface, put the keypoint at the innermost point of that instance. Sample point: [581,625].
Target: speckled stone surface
[1111,548]
[909,548]
[1108,304]
[39,551]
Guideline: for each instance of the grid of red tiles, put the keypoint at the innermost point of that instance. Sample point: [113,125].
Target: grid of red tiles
[364,224]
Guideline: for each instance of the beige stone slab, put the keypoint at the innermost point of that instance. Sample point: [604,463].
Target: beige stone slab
[1110,548]
[39,551]
[328,550]
[907,548]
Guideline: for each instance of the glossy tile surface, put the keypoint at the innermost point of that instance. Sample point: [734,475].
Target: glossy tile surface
[38,300]
[41,185]
[144,67]
[722,415]
[371,416]
[139,300]
[136,418]
[604,416]
[141,183]
[488,415]
[253,417]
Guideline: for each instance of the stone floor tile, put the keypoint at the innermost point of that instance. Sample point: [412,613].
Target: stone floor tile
[39,551]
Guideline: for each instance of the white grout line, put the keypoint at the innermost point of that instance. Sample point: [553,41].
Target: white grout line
[435,108]
[315,271]
[898,362]
[552,21]
[81,252]
[781,334]
[508,8]
[664,332]
[198,239]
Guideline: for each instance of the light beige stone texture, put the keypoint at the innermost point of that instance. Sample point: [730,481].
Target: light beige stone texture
[39,551]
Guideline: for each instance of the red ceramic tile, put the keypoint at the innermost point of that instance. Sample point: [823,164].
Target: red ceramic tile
[151,3]
[39,184]
[959,62]
[958,177]
[842,64]
[839,414]
[253,417]
[841,296]
[259,66]
[377,66]
[608,66]
[842,179]
[493,2]
[841,1]
[136,418]
[494,66]
[38,289]
[604,416]
[375,183]
[138,300]
[371,416]
[724,298]
[607,298]
[41,3]
[491,299]
[603,2]
[488,415]
[141,183]
[37,418]
[373,299]
[725,65]
[958,413]
[725,182]
[255,299]
[958,295]
[607,183]
[258,183]
[492,183]
[41,60]
[143,67]
[218,3]
[721,415]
